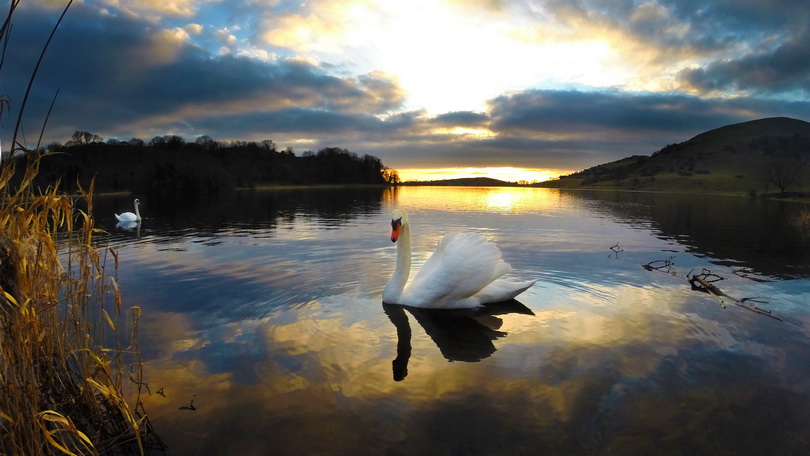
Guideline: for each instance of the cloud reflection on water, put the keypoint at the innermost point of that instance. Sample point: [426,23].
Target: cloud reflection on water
[574,378]
[280,337]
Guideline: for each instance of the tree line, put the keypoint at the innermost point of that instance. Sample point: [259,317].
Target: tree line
[170,165]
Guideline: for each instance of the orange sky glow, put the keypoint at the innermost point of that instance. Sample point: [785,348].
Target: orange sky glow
[505,173]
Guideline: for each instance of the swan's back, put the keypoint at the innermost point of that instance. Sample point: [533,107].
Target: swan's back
[462,266]
[126,217]
[129,216]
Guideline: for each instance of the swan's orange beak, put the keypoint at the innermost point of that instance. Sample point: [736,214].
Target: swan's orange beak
[396,226]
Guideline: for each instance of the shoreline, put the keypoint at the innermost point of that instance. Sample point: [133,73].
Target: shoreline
[798,197]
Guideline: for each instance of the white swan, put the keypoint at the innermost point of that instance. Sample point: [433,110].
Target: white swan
[129,216]
[465,271]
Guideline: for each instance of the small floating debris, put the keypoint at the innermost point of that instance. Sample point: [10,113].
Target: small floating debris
[615,249]
[704,282]
[188,406]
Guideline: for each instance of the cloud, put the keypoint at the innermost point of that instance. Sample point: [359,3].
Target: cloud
[461,119]
[651,44]
[547,112]
[126,77]
[573,129]
[156,8]
[123,75]
[785,69]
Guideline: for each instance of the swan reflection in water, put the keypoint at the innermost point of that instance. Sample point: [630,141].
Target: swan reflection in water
[130,226]
[129,221]
[461,334]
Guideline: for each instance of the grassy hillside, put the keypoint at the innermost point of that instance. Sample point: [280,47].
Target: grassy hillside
[732,159]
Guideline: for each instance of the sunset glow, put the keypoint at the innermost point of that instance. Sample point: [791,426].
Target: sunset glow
[433,88]
[466,133]
[504,173]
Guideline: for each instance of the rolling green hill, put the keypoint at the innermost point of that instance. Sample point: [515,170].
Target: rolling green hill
[737,158]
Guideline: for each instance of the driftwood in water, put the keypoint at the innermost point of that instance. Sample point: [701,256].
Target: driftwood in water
[704,283]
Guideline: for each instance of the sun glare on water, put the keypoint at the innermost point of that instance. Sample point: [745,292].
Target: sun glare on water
[504,200]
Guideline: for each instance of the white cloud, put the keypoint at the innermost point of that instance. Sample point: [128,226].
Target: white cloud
[194,29]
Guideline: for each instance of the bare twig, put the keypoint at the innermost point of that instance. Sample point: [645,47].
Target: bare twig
[704,282]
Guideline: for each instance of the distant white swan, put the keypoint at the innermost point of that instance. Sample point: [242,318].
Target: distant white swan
[465,271]
[129,216]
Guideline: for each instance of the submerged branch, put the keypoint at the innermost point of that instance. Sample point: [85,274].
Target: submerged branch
[704,283]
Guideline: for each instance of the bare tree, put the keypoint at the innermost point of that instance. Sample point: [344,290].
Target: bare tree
[82,138]
[784,171]
[206,142]
[269,145]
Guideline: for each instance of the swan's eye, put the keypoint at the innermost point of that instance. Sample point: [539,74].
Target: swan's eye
[395,224]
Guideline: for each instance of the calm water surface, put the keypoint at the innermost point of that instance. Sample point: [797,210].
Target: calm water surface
[265,310]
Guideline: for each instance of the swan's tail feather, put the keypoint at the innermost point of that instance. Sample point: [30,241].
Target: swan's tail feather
[503,290]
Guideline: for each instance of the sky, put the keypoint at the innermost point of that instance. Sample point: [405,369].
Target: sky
[512,89]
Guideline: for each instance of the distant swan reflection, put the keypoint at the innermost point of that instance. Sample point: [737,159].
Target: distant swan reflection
[461,334]
[130,226]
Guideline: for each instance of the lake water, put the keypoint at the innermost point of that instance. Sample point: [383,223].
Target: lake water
[265,310]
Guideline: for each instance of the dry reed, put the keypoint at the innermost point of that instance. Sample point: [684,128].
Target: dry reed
[67,344]
[802,221]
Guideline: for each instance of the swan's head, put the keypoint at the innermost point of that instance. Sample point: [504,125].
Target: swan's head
[137,202]
[398,219]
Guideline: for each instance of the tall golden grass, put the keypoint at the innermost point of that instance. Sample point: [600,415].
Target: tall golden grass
[68,346]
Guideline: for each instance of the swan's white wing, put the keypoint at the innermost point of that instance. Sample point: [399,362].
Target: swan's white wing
[502,290]
[461,266]
[126,217]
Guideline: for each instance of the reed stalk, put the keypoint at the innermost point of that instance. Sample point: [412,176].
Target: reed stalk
[802,221]
[67,344]
[68,347]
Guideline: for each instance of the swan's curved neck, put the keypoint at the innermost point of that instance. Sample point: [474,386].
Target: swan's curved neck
[137,211]
[393,290]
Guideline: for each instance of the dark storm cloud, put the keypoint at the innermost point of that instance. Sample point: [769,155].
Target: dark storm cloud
[115,72]
[714,25]
[576,130]
[547,111]
[739,15]
[785,69]
[755,46]
[311,122]
[461,119]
